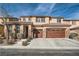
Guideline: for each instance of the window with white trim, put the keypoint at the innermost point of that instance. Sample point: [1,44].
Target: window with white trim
[40,19]
[27,19]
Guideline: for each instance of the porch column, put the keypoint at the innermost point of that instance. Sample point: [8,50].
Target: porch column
[21,27]
[44,32]
[13,32]
[25,31]
[67,32]
[13,28]
[21,30]
[29,31]
[5,32]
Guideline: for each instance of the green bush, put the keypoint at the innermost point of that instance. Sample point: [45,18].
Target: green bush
[73,35]
[29,39]
[25,43]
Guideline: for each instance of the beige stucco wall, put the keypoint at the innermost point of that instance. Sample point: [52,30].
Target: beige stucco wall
[75,31]
[67,33]
[5,31]
[53,20]
[13,28]
[48,27]
[71,22]
[33,19]
[21,19]
[30,31]
[77,22]
[67,22]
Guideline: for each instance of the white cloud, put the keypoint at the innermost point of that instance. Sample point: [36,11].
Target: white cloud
[44,8]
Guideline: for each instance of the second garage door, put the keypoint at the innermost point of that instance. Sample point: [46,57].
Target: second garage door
[55,33]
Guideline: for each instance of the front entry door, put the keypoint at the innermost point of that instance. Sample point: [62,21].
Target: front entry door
[26,32]
[38,33]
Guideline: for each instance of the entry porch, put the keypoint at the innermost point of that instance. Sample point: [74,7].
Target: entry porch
[17,29]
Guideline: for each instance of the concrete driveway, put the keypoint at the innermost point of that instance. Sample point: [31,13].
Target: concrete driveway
[43,47]
[46,43]
[53,42]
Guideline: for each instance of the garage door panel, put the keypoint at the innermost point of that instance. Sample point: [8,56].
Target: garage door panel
[55,33]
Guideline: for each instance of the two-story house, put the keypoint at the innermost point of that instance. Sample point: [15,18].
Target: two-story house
[44,27]
[40,26]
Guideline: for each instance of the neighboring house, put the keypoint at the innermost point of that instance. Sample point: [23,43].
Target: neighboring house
[75,25]
[1,27]
[41,26]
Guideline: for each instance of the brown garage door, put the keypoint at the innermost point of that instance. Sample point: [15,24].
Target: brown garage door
[55,33]
[38,33]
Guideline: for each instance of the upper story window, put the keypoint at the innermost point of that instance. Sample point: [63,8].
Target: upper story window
[40,20]
[27,19]
[58,20]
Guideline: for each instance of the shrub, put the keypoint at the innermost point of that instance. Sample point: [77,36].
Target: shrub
[25,43]
[73,35]
[29,39]
[1,40]
[11,41]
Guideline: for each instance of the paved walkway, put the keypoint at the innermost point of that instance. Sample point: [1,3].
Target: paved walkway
[47,43]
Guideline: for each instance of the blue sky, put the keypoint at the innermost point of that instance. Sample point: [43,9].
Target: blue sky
[67,10]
